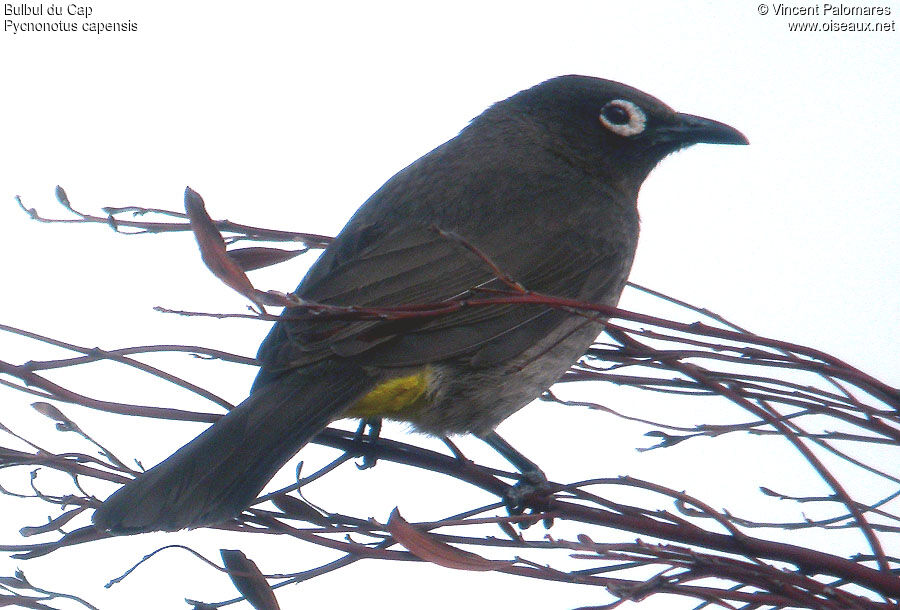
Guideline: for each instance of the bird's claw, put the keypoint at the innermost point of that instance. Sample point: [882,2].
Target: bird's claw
[531,492]
[367,442]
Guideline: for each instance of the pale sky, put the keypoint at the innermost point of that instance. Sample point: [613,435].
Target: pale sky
[288,115]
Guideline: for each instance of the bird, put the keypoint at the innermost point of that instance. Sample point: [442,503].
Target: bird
[537,194]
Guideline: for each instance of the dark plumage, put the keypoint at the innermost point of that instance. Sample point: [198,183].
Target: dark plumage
[545,185]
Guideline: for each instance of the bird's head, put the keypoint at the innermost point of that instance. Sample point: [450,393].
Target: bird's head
[609,127]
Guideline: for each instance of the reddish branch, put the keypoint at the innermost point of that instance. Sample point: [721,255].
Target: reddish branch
[641,351]
[114,221]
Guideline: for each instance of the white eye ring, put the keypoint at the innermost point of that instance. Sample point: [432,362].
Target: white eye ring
[623,118]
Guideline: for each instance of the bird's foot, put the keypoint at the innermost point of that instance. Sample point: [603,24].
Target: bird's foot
[531,492]
[367,442]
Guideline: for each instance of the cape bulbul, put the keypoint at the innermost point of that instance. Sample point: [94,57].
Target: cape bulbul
[544,186]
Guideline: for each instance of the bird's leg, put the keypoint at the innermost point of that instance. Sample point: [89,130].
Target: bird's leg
[533,480]
[367,441]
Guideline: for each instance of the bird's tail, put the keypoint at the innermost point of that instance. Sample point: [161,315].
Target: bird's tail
[220,472]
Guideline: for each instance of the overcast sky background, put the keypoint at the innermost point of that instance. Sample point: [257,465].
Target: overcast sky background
[288,115]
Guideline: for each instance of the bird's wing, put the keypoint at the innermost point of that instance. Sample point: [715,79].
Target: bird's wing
[420,264]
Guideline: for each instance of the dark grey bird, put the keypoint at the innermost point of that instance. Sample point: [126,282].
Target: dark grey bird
[541,190]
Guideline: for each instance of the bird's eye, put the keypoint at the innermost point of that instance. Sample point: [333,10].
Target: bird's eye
[623,118]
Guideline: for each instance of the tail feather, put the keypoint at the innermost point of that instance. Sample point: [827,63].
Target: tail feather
[219,473]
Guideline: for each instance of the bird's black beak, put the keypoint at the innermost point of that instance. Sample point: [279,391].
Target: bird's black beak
[690,129]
